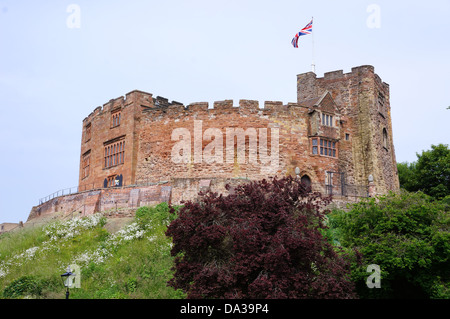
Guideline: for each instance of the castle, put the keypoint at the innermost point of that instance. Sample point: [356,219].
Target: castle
[141,149]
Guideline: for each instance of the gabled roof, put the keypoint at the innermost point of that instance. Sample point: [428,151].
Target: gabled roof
[324,102]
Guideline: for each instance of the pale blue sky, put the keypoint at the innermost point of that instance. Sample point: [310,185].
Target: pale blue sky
[53,76]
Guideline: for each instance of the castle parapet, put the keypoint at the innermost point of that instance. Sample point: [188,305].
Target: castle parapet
[140,98]
[221,105]
[198,106]
[333,75]
[274,105]
[249,105]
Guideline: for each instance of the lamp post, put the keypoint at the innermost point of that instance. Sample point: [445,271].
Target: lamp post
[67,279]
[297,172]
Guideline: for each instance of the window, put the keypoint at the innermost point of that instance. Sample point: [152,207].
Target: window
[116,118]
[314,146]
[327,120]
[329,178]
[329,182]
[86,164]
[111,181]
[326,147]
[385,139]
[381,100]
[347,136]
[114,154]
[87,133]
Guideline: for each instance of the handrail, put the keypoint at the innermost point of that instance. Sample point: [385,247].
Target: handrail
[66,191]
[87,187]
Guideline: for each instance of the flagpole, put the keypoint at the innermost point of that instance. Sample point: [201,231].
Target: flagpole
[313,66]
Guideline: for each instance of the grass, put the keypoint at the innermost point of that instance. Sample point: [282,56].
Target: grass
[134,262]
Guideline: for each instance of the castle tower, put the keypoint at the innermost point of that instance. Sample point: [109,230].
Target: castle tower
[366,148]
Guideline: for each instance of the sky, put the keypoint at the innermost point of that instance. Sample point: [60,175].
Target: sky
[59,60]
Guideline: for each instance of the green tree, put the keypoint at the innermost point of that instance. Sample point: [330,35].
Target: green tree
[407,176]
[430,174]
[407,235]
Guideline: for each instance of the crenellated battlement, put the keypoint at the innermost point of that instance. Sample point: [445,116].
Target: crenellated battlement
[160,104]
[245,107]
[134,97]
[339,123]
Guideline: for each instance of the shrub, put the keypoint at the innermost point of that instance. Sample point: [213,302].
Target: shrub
[22,287]
[159,215]
[407,235]
[262,241]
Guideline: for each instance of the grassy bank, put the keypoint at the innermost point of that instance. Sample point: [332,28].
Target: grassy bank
[133,262]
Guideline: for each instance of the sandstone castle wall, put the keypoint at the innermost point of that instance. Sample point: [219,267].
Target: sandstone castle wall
[134,140]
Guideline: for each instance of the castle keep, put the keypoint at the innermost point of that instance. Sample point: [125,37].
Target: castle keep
[337,136]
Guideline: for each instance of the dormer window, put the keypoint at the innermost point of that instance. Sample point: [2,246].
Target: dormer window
[327,120]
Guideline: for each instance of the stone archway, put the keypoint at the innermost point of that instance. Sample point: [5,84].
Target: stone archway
[306,180]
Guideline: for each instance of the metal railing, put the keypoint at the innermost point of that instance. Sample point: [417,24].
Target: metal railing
[336,190]
[67,191]
[92,186]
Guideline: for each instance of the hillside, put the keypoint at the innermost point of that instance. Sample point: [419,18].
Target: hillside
[118,257]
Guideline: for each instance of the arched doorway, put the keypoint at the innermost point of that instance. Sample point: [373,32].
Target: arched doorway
[306,180]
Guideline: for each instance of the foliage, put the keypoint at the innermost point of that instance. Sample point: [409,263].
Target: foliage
[430,174]
[147,215]
[261,241]
[22,287]
[407,235]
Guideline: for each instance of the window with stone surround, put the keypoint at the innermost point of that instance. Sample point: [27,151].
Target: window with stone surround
[116,118]
[381,104]
[385,139]
[87,132]
[315,147]
[323,147]
[86,164]
[111,181]
[114,154]
[327,119]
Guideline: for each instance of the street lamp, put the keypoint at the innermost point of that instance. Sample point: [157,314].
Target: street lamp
[67,279]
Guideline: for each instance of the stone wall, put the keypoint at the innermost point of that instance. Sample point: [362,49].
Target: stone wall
[90,202]
[357,96]
[210,131]
[191,146]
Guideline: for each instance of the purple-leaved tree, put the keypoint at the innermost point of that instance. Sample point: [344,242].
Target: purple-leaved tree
[262,241]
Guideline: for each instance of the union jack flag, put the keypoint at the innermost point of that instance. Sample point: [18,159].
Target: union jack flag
[306,30]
